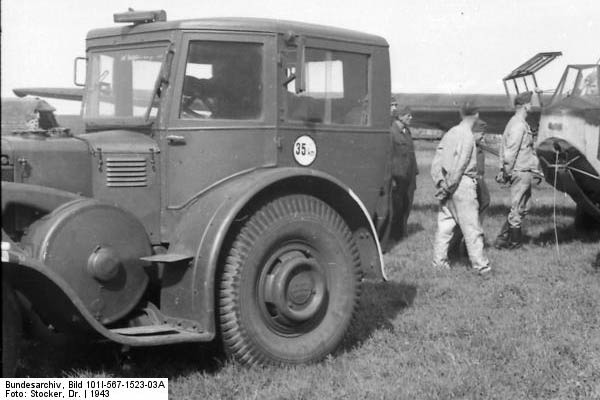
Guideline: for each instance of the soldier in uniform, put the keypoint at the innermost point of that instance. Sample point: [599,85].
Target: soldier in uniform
[403,170]
[457,248]
[518,167]
[483,194]
[454,173]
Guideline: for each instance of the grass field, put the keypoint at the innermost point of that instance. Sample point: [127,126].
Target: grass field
[530,331]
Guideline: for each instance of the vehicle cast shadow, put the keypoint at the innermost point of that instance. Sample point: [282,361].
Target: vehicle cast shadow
[48,356]
[380,303]
[566,234]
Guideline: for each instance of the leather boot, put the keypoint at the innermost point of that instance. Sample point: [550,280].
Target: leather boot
[502,240]
[516,239]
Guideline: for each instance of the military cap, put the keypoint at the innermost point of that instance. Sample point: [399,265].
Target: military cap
[404,110]
[468,108]
[523,98]
[479,125]
[399,112]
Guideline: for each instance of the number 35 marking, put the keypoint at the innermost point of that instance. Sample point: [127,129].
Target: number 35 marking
[305,150]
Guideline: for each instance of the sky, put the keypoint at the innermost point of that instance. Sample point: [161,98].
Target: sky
[445,46]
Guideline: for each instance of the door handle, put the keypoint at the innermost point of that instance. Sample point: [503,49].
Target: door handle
[175,139]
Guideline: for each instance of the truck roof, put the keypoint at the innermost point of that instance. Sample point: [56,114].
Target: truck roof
[243,24]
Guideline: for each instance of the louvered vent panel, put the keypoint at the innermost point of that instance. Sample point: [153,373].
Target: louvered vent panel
[126,172]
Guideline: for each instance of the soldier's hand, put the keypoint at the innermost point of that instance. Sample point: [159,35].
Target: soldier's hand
[502,177]
[538,177]
[442,194]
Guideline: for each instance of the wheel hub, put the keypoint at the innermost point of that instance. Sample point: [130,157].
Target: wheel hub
[295,287]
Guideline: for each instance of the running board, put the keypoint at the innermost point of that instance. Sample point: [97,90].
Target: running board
[152,335]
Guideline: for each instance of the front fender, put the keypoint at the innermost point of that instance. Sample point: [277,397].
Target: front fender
[35,196]
[189,287]
[66,310]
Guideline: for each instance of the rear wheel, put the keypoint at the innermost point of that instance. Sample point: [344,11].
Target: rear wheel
[12,325]
[290,284]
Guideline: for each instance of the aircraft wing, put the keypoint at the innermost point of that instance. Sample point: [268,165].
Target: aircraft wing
[141,97]
[440,110]
[53,93]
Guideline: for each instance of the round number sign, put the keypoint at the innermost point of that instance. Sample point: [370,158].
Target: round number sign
[305,150]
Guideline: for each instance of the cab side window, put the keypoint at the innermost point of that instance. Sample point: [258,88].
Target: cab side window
[223,80]
[336,89]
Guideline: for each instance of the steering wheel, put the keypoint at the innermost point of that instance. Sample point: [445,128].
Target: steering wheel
[195,89]
[188,110]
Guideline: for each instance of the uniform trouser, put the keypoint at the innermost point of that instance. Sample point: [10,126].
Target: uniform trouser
[403,191]
[483,198]
[461,209]
[520,193]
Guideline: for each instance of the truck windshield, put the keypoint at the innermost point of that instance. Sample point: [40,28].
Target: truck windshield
[121,82]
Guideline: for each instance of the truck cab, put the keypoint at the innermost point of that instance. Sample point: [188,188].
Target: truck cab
[231,178]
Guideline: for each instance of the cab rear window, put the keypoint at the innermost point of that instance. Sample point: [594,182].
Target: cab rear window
[337,89]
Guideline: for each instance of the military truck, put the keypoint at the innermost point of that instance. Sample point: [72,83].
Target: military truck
[229,186]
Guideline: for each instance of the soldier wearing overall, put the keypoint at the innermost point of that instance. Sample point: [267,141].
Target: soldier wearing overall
[454,173]
[458,247]
[519,168]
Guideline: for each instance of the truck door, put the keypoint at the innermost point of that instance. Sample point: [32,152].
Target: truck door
[223,115]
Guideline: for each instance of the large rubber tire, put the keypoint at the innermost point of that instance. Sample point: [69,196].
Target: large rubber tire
[12,325]
[291,283]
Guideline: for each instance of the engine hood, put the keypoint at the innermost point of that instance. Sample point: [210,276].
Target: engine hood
[67,162]
[56,162]
[120,141]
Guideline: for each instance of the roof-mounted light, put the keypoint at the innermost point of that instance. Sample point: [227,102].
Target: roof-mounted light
[140,17]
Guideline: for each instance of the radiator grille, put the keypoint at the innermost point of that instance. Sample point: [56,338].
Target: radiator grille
[126,172]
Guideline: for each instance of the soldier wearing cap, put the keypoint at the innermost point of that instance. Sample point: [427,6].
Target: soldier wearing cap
[403,170]
[454,173]
[518,167]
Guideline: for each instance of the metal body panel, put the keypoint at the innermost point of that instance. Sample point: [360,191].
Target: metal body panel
[244,25]
[56,162]
[39,283]
[567,147]
[209,151]
[210,156]
[35,196]
[189,287]
[126,169]
[96,249]
[341,149]
[341,153]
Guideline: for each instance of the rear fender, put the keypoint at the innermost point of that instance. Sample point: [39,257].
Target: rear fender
[201,238]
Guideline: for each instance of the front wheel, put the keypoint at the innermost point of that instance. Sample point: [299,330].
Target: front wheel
[290,285]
